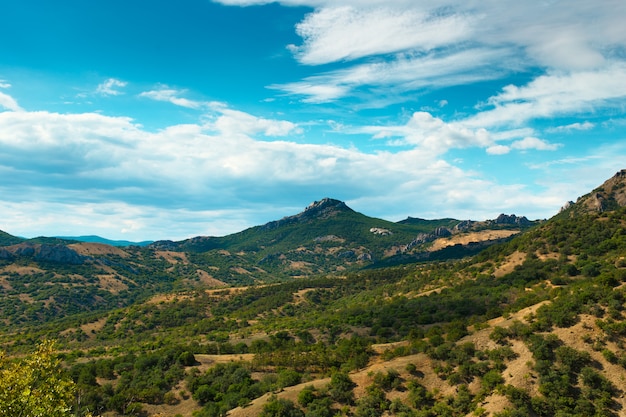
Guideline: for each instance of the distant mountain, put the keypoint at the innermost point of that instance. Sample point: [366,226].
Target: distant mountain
[327,237]
[98,239]
[7,239]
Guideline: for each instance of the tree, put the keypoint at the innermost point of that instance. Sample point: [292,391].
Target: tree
[340,388]
[35,386]
[279,407]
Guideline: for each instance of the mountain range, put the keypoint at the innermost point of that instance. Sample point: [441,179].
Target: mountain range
[503,317]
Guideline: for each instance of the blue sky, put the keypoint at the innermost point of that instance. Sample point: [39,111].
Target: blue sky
[153,119]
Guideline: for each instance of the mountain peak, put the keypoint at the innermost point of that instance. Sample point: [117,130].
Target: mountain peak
[321,209]
[325,205]
[608,197]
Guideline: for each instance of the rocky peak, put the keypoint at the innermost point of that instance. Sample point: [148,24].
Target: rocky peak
[322,209]
[609,196]
[324,206]
[511,219]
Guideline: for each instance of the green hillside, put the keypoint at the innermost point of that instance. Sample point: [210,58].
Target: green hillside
[531,326]
[7,239]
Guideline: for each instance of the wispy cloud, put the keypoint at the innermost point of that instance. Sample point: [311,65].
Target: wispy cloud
[411,40]
[573,126]
[526,144]
[556,95]
[9,102]
[406,72]
[111,87]
[164,93]
[347,33]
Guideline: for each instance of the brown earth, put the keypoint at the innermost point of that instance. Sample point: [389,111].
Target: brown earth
[472,237]
[90,249]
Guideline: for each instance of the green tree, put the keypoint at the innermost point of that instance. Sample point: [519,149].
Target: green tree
[35,386]
[340,388]
[279,407]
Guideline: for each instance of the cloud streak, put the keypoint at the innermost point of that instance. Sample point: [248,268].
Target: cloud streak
[111,87]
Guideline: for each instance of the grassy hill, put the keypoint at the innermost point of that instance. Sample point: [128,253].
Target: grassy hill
[531,326]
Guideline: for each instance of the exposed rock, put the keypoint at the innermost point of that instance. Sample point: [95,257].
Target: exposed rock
[609,196]
[364,257]
[322,209]
[47,253]
[24,250]
[5,255]
[442,232]
[566,206]
[464,226]
[380,231]
[58,254]
[512,219]
[428,237]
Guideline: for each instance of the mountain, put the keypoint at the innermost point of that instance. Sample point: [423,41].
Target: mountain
[609,196]
[533,325]
[7,239]
[98,239]
[326,237]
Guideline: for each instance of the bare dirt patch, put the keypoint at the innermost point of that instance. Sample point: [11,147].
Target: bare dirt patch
[112,283]
[208,279]
[173,257]
[509,264]
[472,237]
[21,270]
[91,328]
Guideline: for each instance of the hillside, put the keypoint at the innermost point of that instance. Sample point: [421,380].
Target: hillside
[530,326]
[46,279]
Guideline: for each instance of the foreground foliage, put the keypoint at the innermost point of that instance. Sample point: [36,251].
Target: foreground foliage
[35,386]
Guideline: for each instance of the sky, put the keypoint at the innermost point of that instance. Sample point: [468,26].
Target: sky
[154,119]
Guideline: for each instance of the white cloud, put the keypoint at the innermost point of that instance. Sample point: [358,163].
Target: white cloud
[555,95]
[173,96]
[465,41]
[110,87]
[573,126]
[9,102]
[346,33]
[432,134]
[64,167]
[498,150]
[233,122]
[406,72]
[4,84]
[534,143]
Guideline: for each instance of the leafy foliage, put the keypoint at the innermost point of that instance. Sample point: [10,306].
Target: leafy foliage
[35,386]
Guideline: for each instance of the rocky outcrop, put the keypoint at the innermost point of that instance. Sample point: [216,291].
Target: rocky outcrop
[422,238]
[44,253]
[464,226]
[512,220]
[5,255]
[609,196]
[324,208]
[566,206]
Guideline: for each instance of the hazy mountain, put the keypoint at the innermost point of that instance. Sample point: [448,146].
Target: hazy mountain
[98,239]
